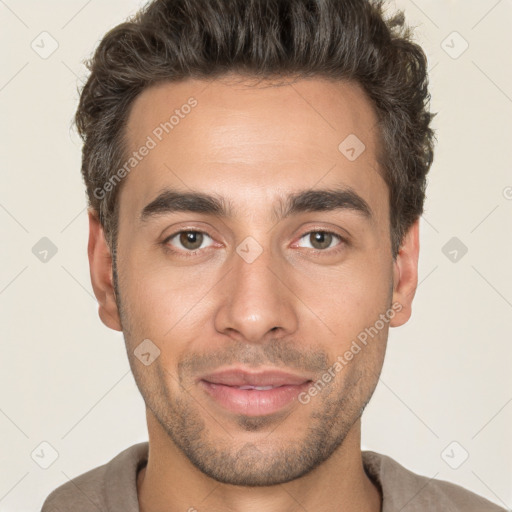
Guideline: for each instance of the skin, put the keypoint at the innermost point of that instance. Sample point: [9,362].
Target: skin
[295,307]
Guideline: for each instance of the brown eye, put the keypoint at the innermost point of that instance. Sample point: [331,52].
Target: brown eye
[191,239]
[188,240]
[320,240]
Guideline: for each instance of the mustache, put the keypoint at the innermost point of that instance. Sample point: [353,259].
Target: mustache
[276,353]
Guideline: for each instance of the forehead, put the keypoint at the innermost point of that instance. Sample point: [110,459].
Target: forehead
[251,141]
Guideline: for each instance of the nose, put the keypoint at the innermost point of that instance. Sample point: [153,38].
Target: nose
[256,301]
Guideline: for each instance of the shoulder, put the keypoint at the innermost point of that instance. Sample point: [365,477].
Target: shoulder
[81,494]
[407,491]
[94,490]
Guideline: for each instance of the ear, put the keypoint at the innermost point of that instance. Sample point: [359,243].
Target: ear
[405,275]
[100,265]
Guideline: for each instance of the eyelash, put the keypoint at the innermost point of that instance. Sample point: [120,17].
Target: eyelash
[188,254]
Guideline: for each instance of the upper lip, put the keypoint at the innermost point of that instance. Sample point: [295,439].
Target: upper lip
[239,377]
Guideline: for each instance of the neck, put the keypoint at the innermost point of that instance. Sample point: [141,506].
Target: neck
[171,482]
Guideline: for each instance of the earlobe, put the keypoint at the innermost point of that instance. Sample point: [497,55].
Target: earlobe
[405,276]
[100,266]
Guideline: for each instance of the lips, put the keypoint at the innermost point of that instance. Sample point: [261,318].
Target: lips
[240,378]
[253,394]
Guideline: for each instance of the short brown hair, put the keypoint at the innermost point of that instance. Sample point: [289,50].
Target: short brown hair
[171,40]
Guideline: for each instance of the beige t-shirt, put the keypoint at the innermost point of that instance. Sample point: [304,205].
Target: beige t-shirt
[113,488]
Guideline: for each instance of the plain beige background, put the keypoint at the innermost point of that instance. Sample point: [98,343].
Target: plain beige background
[446,387]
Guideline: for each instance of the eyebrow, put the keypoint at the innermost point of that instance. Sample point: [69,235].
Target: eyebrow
[313,200]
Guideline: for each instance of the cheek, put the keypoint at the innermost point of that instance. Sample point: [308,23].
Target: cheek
[345,299]
[161,299]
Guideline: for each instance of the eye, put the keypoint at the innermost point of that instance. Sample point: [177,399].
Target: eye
[320,240]
[188,240]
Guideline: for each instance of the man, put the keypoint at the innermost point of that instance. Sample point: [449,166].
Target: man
[256,173]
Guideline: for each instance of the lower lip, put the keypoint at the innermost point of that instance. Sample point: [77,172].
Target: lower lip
[252,402]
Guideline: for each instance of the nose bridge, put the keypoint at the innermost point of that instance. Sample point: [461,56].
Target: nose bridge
[256,301]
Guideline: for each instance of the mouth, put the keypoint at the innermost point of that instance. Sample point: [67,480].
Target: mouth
[253,394]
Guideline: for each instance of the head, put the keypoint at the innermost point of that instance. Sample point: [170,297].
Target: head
[255,173]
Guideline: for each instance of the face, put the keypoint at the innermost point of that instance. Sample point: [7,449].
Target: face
[255,256]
